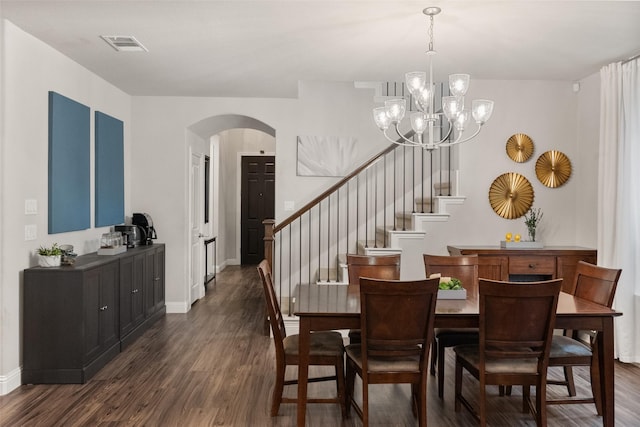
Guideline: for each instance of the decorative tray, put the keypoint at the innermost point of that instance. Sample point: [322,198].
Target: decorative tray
[521,245]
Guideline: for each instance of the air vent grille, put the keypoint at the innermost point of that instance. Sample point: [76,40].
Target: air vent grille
[124,43]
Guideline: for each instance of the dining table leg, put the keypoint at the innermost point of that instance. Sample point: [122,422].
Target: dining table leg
[606,362]
[303,369]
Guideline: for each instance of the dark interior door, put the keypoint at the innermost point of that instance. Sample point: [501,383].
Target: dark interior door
[258,204]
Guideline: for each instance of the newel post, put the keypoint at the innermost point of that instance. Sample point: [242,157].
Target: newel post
[268,240]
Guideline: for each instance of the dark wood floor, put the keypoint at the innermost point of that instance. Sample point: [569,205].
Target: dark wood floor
[213,367]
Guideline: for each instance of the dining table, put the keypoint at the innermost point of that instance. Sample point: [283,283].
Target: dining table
[321,307]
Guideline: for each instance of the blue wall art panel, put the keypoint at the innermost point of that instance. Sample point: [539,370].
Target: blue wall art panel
[69,165]
[109,170]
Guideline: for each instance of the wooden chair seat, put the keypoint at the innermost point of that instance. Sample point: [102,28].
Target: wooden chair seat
[382,364]
[321,344]
[563,347]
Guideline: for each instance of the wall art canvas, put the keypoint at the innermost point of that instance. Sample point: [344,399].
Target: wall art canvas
[109,170]
[69,165]
[326,155]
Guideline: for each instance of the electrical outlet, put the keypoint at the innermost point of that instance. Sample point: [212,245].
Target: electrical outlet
[30,232]
[30,207]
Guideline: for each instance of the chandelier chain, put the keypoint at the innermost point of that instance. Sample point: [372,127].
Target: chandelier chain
[430,33]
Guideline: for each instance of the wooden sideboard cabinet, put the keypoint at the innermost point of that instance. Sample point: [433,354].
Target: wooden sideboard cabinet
[77,318]
[550,262]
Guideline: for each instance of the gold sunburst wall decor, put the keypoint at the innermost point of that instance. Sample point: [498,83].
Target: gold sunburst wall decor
[511,195]
[553,168]
[519,147]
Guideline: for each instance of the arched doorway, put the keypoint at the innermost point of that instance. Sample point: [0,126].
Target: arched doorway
[226,140]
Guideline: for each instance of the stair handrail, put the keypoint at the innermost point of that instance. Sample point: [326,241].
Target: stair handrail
[337,185]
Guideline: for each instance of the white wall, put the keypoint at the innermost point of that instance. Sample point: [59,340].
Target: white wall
[31,69]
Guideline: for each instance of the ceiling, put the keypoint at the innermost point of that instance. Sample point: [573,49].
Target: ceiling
[263,48]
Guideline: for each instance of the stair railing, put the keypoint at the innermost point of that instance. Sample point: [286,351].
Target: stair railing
[355,213]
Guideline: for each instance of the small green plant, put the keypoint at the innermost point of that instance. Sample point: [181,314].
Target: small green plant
[450,283]
[54,250]
[532,219]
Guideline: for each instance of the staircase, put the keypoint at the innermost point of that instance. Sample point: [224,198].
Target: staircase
[385,206]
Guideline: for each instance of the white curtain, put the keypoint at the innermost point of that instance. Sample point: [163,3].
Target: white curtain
[619,197]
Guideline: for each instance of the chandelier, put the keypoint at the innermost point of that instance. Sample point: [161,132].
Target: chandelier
[427,119]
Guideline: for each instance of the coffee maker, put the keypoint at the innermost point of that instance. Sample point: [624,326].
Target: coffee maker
[145,224]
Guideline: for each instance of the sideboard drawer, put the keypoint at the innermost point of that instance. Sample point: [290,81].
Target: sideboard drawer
[532,265]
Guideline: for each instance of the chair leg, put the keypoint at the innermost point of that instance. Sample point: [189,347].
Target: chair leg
[595,383]
[483,404]
[365,403]
[422,403]
[526,395]
[415,400]
[351,379]
[441,371]
[568,377]
[341,386]
[458,385]
[278,388]
[434,356]
[541,404]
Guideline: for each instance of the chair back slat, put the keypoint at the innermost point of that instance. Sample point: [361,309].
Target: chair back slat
[464,268]
[397,317]
[273,308]
[595,283]
[516,321]
[373,266]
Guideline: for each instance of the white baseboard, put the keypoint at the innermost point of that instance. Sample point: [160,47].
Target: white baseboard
[177,307]
[11,381]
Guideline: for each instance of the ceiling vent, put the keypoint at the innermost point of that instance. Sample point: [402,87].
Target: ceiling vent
[125,43]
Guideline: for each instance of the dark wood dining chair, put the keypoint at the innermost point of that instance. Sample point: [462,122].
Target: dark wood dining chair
[326,348]
[397,328]
[464,268]
[374,267]
[516,326]
[578,348]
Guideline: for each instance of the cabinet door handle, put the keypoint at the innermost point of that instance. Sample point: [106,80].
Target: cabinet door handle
[135,291]
[103,308]
[156,279]
[532,266]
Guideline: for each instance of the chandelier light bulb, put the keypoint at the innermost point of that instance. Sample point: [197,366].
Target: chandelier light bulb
[461,121]
[396,109]
[381,118]
[451,107]
[458,84]
[481,110]
[418,123]
[416,81]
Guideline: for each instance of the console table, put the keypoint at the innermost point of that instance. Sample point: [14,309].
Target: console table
[549,262]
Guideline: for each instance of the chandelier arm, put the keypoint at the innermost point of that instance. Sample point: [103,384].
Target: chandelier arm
[398,142]
[460,141]
[407,141]
[442,140]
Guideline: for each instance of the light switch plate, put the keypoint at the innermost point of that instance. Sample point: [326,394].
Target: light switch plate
[30,207]
[289,205]
[30,232]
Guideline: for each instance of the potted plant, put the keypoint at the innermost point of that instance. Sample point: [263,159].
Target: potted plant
[532,219]
[49,256]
